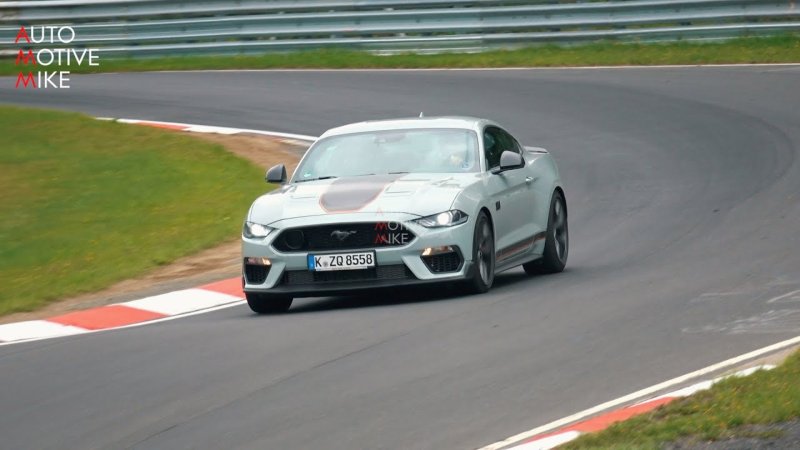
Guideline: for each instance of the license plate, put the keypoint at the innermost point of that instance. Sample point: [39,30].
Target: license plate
[341,261]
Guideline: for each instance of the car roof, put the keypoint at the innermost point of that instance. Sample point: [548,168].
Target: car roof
[462,122]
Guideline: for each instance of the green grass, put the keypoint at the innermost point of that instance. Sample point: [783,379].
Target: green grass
[776,49]
[766,397]
[86,203]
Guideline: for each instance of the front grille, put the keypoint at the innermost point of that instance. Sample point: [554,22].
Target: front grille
[387,272]
[445,262]
[255,274]
[343,236]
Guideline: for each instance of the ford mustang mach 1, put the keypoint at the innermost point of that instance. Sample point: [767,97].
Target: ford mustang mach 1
[404,202]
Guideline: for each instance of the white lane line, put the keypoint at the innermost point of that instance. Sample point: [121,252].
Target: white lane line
[476,69]
[33,329]
[703,385]
[566,436]
[685,392]
[216,129]
[781,297]
[299,137]
[549,442]
[640,394]
[212,130]
[182,302]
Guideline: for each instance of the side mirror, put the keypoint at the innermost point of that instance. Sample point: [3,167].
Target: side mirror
[509,160]
[276,174]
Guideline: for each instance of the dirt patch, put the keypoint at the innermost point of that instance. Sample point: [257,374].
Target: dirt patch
[263,151]
[209,265]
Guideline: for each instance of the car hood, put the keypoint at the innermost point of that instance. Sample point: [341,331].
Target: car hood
[418,194]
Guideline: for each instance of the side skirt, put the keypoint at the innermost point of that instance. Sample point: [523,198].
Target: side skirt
[517,253]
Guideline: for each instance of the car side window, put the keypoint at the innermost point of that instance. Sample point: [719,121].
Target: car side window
[495,142]
[491,147]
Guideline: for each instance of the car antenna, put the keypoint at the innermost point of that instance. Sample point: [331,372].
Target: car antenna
[421,114]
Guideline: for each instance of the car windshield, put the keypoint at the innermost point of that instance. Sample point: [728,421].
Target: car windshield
[394,151]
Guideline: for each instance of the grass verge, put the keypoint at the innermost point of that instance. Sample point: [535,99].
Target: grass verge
[724,411]
[776,49]
[86,203]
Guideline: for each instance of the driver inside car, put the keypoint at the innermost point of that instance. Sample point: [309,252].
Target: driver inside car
[452,153]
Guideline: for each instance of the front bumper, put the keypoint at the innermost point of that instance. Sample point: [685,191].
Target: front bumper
[288,273]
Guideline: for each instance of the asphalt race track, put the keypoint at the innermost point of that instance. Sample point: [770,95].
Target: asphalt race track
[683,187]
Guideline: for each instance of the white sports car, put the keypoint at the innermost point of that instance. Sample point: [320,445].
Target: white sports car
[404,202]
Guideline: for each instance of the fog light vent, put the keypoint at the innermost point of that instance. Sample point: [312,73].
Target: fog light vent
[256,273]
[442,262]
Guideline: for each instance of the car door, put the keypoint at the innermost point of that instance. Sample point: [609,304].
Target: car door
[509,193]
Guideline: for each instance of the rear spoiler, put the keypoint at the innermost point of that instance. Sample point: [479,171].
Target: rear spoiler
[535,149]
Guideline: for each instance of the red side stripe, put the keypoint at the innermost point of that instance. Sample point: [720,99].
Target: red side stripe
[106,317]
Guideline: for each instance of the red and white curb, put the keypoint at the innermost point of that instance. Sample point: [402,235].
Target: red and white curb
[601,422]
[601,416]
[181,303]
[175,304]
[194,128]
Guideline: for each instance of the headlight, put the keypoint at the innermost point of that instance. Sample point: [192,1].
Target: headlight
[443,219]
[254,230]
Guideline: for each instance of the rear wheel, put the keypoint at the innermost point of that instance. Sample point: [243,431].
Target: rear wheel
[268,304]
[556,244]
[482,256]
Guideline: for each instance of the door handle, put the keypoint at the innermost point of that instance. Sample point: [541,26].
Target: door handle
[530,180]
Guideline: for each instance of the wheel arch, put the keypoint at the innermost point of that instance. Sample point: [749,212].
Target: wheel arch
[491,219]
[488,213]
[560,190]
[485,209]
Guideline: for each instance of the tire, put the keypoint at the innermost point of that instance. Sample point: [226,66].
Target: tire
[556,244]
[268,304]
[483,256]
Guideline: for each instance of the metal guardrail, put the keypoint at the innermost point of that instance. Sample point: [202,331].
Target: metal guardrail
[161,27]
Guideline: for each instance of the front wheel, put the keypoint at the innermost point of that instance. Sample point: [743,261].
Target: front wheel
[482,256]
[556,244]
[268,304]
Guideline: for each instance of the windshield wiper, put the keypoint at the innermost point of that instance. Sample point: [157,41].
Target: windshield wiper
[396,173]
[315,179]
